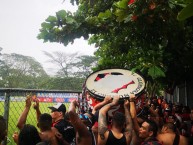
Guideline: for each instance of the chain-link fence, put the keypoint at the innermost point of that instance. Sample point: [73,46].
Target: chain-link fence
[12,103]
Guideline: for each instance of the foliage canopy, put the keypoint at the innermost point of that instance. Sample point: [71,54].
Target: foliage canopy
[133,34]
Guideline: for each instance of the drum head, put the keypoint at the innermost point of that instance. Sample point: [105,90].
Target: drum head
[114,82]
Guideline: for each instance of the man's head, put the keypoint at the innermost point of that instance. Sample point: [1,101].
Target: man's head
[177,108]
[148,129]
[171,118]
[118,120]
[28,135]
[168,127]
[3,130]
[57,111]
[45,122]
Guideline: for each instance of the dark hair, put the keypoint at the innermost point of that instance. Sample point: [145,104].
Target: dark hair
[2,128]
[45,122]
[152,127]
[28,135]
[118,119]
[170,125]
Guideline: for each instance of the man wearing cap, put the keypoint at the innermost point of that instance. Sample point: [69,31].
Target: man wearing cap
[63,126]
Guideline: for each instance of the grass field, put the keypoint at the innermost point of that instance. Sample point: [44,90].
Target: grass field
[16,109]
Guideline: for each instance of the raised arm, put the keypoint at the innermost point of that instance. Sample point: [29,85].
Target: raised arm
[37,108]
[84,135]
[129,123]
[106,100]
[102,121]
[155,115]
[22,119]
[73,106]
[133,112]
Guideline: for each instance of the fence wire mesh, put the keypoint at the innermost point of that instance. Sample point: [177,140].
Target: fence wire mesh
[12,103]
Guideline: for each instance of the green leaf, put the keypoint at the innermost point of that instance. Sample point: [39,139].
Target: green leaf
[120,15]
[61,14]
[70,20]
[51,19]
[122,4]
[155,72]
[105,15]
[46,25]
[186,12]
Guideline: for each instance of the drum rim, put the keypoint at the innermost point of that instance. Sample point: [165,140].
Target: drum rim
[121,99]
[97,97]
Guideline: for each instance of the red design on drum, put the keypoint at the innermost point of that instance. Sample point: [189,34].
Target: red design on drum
[123,87]
[100,76]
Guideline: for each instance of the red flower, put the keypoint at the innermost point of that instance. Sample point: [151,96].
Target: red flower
[131,1]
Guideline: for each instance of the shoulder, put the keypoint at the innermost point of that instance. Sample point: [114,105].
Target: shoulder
[165,137]
[183,140]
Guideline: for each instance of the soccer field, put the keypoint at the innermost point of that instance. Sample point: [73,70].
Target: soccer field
[16,109]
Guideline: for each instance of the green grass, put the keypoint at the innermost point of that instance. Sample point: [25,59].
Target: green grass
[16,109]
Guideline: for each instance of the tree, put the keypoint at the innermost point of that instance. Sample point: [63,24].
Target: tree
[18,71]
[84,65]
[63,61]
[72,65]
[133,34]
[72,69]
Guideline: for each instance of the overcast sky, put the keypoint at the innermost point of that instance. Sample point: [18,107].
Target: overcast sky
[20,23]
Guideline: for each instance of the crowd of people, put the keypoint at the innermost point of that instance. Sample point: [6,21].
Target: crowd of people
[160,123]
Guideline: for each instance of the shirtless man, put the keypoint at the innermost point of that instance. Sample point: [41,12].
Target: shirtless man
[49,134]
[169,137]
[121,131]
[63,126]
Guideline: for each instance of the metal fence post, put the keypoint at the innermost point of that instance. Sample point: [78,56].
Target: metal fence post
[6,110]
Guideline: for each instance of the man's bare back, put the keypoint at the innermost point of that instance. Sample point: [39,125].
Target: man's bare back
[168,139]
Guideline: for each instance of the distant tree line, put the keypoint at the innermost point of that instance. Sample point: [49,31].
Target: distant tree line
[71,70]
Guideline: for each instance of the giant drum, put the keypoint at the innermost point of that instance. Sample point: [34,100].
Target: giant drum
[114,82]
